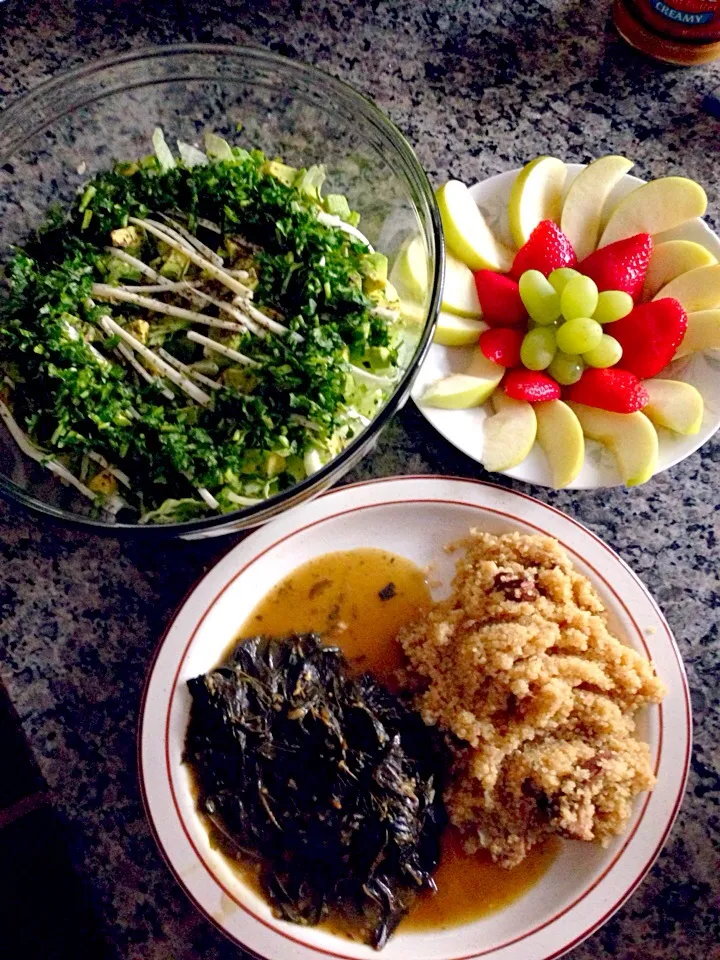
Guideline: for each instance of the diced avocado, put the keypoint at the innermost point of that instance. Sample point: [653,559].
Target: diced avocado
[374,268]
[274,465]
[377,356]
[353,219]
[126,237]
[337,204]
[281,171]
[104,483]
[175,265]
[139,329]
[241,380]
[310,181]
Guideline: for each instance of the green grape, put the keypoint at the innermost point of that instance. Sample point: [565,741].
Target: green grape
[612,305]
[605,354]
[566,369]
[538,348]
[559,278]
[579,298]
[540,299]
[579,335]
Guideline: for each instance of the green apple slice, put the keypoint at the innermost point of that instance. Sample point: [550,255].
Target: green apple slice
[671,259]
[585,200]
[561,438]
[630,436]
[674,404]
[466,233]
[656,206]
[462,390]
[536,195]
[696,290]
[703,333]
[454,331]
[459,290]
[509,435]
[410,270]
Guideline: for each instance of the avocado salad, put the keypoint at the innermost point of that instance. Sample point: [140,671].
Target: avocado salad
[196,333]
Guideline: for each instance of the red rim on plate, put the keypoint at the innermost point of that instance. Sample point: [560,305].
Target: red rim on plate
[245,549]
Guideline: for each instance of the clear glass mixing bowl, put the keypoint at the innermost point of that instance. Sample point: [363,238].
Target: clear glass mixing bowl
[74,126]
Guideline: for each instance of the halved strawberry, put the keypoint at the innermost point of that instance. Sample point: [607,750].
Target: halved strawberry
[547,248]
[609,389]
[649,335]
[499,298]
[621,265]
[502,345]
[531,385]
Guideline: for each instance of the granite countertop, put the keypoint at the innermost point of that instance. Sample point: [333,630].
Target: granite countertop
[477,88]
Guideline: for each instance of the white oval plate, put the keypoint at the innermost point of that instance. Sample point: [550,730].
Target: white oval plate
[414,517]
[464,428]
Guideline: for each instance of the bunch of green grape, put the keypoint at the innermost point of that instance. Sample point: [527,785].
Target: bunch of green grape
[567,314]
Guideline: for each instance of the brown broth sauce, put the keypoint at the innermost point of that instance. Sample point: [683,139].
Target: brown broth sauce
[338,596]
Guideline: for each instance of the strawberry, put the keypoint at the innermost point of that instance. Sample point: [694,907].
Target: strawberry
[621,265]
[502,345]
[531,385]
[546,249]
[499,298]
[649,335]
[609,389]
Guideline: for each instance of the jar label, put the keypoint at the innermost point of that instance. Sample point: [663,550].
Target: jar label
[689,20]
[687,12]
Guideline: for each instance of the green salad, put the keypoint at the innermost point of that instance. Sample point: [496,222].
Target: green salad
[197,333]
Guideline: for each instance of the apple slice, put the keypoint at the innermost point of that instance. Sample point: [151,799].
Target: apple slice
[466,233]
[675,405]
[509,435]
[703,333]
[656,206]
[585,200]
[536,195]
[630,436]
[459,291]
[671,259]
[470,389]
[696,290]
[454,331]
[410,270]
[561,438]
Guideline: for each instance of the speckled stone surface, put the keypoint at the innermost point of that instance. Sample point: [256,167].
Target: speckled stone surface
[477,88]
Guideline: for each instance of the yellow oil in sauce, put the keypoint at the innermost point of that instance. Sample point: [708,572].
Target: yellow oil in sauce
[338,595]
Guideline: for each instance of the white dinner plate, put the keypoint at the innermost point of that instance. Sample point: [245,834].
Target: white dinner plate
[416,518]
[464,428]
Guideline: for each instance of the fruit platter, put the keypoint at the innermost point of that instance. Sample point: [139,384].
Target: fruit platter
[578,340]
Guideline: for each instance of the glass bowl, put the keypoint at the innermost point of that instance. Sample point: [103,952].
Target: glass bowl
[75,125]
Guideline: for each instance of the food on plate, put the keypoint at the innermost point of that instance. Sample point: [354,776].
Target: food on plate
[519,665]
[452,330]
[696,290]
[561,439]
[675,405]
[466,232]
[469,389]
[672,258]
[585,201]
[536,195]
[703,333]
[197,332]
[332,782]
[655,207]
[459,290]
[649,336]
[508,435]
[630,437]
[593,325]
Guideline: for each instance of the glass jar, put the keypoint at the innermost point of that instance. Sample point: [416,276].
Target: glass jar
[685,32]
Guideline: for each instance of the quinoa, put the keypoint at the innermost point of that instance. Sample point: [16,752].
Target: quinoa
[519,665]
